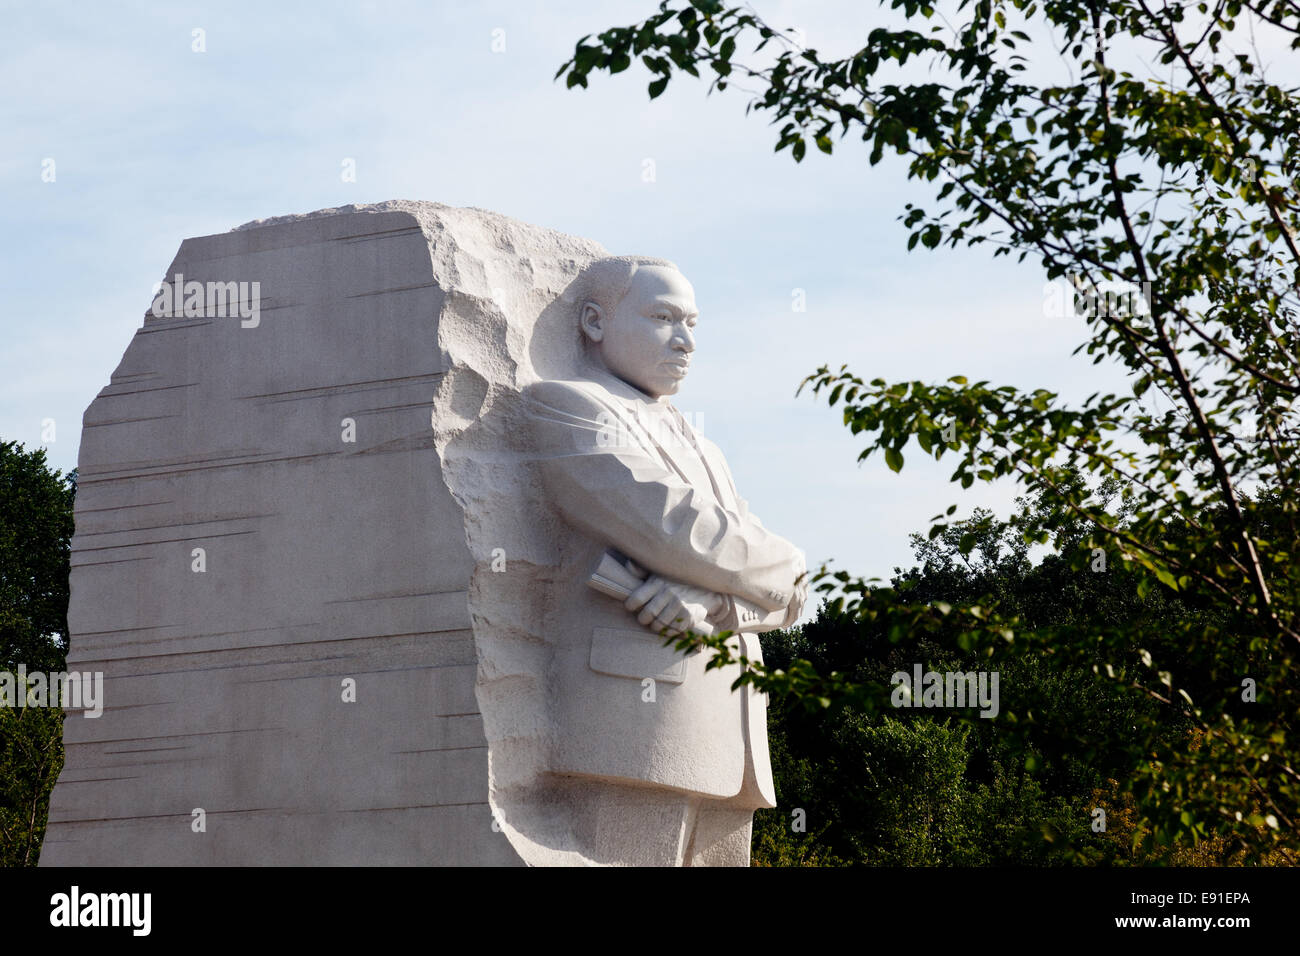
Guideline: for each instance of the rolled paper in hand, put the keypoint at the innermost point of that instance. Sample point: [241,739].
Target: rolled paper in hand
[613,577]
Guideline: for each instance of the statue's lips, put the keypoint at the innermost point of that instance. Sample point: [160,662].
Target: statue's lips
[678,367]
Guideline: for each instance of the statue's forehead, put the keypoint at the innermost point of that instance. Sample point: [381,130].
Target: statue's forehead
[662,284]
[660,281]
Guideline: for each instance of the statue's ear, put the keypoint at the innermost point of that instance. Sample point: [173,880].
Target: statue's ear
[592,321]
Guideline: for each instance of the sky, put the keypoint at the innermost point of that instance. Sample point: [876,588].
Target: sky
[153,141]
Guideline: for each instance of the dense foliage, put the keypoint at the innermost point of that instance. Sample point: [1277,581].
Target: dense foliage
[944,787]
[35,537]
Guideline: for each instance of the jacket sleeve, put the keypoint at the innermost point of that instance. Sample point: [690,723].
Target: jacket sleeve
[740,615]
[608,484]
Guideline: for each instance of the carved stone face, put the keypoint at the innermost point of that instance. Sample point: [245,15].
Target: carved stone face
[648,340]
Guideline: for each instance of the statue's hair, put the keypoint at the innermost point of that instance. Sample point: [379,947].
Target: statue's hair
[607,280]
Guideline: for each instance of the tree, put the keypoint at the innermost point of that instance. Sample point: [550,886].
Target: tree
[932,787]
[1169,202]
[35,538]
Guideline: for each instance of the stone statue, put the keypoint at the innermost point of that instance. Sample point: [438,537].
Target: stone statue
[344,557]
[653,759]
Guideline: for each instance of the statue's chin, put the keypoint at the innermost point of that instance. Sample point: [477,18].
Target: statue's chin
[655,389]
[664,388]
[672,383]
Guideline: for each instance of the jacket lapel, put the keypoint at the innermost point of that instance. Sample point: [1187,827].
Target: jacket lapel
[656,430]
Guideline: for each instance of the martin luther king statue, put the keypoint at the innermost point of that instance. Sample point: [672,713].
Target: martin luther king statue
[651,758]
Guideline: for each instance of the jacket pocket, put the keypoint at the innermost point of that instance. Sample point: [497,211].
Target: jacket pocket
[622,652]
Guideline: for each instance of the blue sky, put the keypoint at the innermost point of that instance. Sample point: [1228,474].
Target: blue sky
[153,143]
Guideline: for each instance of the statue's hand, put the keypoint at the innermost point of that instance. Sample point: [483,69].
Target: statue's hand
[674,606]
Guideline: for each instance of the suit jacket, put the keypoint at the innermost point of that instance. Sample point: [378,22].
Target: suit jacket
[626,472]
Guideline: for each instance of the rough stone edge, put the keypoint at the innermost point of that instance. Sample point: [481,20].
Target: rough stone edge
[415,207]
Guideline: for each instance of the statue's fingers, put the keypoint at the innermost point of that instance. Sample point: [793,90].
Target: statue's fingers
[652,608]
[645,592]
[676,612]
[672,616]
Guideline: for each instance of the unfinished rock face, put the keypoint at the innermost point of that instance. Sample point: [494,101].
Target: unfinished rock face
[280,566]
